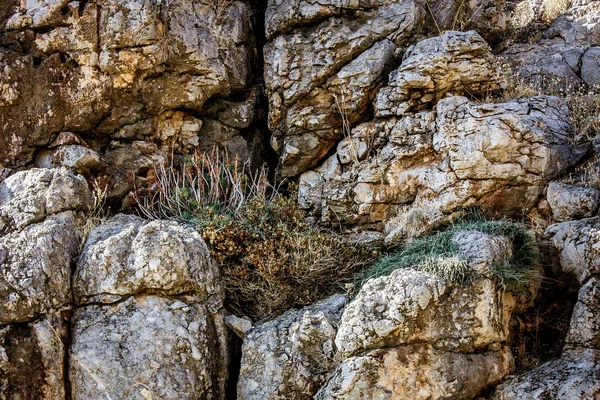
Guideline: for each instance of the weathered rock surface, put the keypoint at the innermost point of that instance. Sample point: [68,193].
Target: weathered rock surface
[578,244]
[585,321]
[414,307]
[35,268]
[496,156]
[290,356]
[147,347]
[455,62]
[569,202]
[573,376]
[416,372]
[138,70]
[32,360]
[322,76]
[128,255]
[414,335]
[29,196]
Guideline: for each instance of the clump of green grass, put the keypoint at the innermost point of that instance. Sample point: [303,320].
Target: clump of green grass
[438,254]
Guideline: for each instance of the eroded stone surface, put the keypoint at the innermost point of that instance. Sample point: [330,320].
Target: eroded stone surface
[570,202]
[585,321]
[29,196]
[128,255]
[578,244]
[32,360]
[456,62]
[147,347]
[574,376]
[35,268]
[417,372]
[495,156]
[290,356]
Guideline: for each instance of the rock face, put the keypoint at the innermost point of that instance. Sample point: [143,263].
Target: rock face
[325,73]
[39,238]
[127,255]
[496,156]
[114,72]
[29,196]
[165,336]
[570,202]
[578,244]
[146,347]
[290,356]
[414,335]
[40,344]
[456,62]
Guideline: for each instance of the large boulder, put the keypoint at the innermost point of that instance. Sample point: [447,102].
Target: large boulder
[416,372]
[495,156]
[584,330]
[127,255]
[569,202]
[146,347]
[150,322]
[290,356]
[415,335]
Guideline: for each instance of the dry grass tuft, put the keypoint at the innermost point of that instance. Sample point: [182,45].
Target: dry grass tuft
[414,220]
[271,259]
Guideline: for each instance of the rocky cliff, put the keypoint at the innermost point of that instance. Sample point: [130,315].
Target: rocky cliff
[440,238]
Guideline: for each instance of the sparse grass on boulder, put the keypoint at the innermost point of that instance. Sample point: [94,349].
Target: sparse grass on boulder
[438,254]
[271,259]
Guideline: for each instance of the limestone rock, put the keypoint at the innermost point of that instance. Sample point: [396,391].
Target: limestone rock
[414,307]
[590,65]
[483,251]
[570,202]
[495,156]
[417,372]
[127,255]
[455,62]
[29,196]
[574,376]
[147,347]
[32,360]
[578,244]
[318,76]
[291,355]
[35,268]
[585,321]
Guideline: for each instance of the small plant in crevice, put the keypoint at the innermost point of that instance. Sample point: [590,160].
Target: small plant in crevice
[270,258]
[438,254]
[96,215]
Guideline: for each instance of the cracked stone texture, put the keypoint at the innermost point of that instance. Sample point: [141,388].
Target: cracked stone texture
[578,245]
[573,376]
[455,62]
[127,255]
[290,356]
[32,360]
[496,156]
[569,202]
[338,60]
[409,307]
[27,197]
[36,266]
[584,330]
[567,53]
[148,347]
[416,372]
[112,70]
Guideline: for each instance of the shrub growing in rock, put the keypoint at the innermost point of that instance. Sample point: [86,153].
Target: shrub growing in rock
[270,257]
[438,254]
